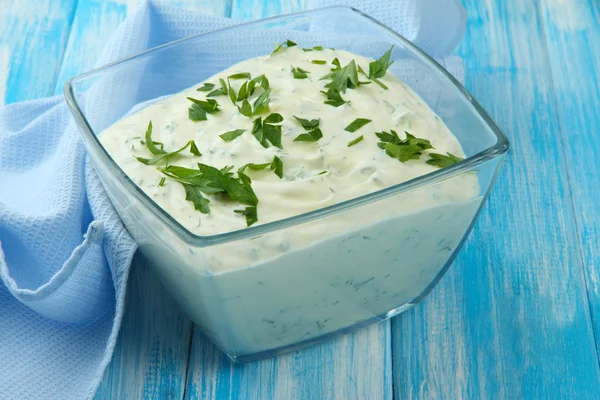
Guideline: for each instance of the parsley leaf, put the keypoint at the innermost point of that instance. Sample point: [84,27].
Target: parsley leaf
[262,102]
[357,124]
[334,98]
[245,109]
[342,78]
[267,132]
[442,161]
[244,93]
[207,86]
[163,155]
[276,166]
[150,144]
[288,43]
[250,213]
[240,75]
[196,113]
[231,91]
[193,194]
[229,136]
[273,118]
[221,91]
[311,136]
[306,124]
[299,73]
[210,106]
[378,68]
[410,148]
[319,62]
[357,140]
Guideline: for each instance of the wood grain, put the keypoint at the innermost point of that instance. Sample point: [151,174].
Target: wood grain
[511,318]
[573,38]
[32,43]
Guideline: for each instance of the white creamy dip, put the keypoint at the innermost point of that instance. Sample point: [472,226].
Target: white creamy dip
[303,282]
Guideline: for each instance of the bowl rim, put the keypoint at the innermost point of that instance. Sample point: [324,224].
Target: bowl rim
[499,148]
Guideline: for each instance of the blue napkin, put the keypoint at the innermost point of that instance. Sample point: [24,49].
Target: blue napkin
[64,253]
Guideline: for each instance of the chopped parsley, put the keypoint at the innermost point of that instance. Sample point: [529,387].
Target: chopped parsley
[206,87]
[378,68]
[357,124]
[240,75]
[210,180]
[268,132]
[442,161]
[229,136]
[159,153]
[276,166]
[334,98]
[250,213]
[410,148]
[353,142]
[306,124]
[319,62]
[299,73]
[311,136]
[222,91]
[287,44]
[162,181]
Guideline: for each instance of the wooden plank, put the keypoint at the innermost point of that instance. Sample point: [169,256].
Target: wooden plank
[32,42]
[356,366]
[96,20]
[572,42]
[510,319]
[150,358]
[152,352]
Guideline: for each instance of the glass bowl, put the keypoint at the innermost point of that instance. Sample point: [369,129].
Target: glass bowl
[289,286]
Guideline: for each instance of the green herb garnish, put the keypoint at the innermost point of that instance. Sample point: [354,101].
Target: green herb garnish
[378,68]
[299,73]
[261,103]
[353,142]
[267,132]
[245,109]
[231,92]
[311,136]
[342,78]
[287,44]
[210,106]
[334,98]
[229,136]
[210,180]
[161,154]
[194,194]
[357,124]
[410,148]
[222,91]
[206,87]
[162,181]
[442,161]
[276,166]
[250,213]
[240,75]
[306,124]
[319,62]
[274,118]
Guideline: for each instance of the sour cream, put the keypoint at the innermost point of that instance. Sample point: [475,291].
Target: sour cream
[311,280]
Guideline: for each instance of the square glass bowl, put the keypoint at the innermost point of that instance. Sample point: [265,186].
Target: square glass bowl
[288,286]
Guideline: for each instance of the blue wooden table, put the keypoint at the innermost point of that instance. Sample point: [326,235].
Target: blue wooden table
[517,315]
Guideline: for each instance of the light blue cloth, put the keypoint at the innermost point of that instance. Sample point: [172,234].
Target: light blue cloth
[64,254]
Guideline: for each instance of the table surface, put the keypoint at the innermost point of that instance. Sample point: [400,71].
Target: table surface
[515,317]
